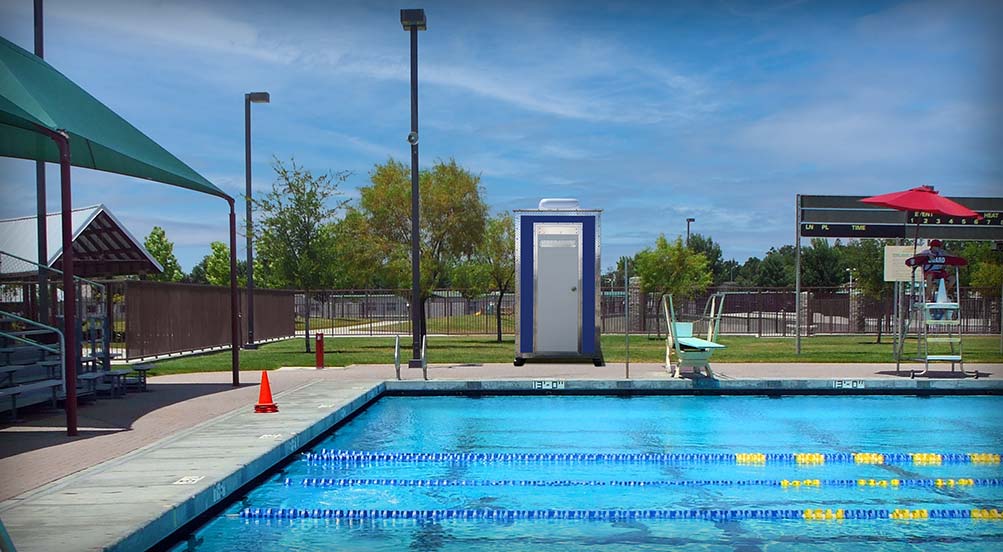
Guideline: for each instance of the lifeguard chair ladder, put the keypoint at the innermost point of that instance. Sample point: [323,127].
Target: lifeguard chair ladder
[936,327]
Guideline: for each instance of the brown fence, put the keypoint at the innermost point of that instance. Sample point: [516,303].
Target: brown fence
[387,312]
[157,318]
[762,312]
[772,312]
[153,318]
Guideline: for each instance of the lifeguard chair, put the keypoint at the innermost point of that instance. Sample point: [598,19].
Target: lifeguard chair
[935,324]
[682,349]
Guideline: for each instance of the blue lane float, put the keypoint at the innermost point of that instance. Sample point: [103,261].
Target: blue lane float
[938,458]
[783,483]
[617,515]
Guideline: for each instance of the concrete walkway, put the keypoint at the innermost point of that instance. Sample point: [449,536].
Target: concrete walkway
[133,455]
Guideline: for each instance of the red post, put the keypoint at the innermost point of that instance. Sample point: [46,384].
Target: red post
[69,287]
[319,347]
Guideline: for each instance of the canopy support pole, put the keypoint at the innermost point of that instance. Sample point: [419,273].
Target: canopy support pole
[62,141]
[234,299]
[43,253]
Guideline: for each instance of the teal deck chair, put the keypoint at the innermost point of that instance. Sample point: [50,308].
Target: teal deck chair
[682,350]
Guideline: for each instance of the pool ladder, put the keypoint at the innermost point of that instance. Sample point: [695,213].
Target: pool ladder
[397,357]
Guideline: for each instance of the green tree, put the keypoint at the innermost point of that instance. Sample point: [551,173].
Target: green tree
[822,265]
[359,261]
[866,259]
[497,254]
[777,268]
[712,251]
[217,266]
[198,275]
[985,265]
[452,219]
[748,274]
[672,268]
[162,249]
[296,234]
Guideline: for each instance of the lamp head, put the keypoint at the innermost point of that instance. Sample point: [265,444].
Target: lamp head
[691,219]
[413,19]
[258,97]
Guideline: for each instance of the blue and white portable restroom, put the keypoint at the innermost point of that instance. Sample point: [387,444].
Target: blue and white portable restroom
[557,283]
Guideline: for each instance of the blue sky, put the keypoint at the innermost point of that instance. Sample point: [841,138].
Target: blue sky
[652,111]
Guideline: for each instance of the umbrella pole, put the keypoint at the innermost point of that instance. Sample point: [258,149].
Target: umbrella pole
[69,289]
[234,300]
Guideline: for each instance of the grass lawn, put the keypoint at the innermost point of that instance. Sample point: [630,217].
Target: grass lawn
[343,351]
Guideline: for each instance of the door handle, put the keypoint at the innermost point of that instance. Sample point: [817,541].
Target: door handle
[574,288]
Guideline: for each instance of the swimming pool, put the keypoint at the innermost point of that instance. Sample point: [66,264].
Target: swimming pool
[640,473]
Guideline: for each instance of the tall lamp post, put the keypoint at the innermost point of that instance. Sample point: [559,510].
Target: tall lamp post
[252,97]
[413,20]
[689,221]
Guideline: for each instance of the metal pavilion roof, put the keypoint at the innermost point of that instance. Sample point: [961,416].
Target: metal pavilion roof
[102,245]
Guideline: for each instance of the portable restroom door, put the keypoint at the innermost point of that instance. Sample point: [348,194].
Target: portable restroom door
[558,287]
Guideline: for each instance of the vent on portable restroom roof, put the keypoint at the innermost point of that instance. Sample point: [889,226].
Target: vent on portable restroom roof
[559,203]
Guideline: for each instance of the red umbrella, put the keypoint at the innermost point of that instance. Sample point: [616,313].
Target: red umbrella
[923,198]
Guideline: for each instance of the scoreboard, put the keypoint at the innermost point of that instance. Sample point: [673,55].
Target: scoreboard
[847,217]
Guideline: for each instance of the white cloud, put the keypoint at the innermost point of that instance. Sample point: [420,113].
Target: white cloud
[189,24]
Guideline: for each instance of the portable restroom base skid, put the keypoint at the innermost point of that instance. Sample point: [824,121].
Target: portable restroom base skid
[557,286]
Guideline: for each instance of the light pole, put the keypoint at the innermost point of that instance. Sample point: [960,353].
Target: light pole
[413,20]
[249,98]
[688,222]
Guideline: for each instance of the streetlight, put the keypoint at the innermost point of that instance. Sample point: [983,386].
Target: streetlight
[252,97]
[413,20]
[688,221]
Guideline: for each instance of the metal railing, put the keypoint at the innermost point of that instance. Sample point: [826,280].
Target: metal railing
[9,316]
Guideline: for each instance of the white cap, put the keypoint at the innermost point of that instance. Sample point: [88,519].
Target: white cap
[559,203]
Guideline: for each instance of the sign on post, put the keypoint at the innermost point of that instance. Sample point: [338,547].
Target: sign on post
[895,267]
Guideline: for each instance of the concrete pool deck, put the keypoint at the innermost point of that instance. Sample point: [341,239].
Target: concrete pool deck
[146,464]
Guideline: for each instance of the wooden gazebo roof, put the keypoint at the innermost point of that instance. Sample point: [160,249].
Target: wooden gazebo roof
[102,246]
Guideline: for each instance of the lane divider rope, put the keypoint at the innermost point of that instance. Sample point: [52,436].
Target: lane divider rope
[808,514]
[782,483]
[751,458]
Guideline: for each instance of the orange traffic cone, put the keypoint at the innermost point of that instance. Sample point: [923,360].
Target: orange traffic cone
[265,403]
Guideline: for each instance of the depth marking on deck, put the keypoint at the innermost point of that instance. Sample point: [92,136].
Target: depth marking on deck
[848,384]
[189,480]
[549,384]
[272,436]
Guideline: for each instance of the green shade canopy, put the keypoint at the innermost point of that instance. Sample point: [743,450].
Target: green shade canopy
[33,94]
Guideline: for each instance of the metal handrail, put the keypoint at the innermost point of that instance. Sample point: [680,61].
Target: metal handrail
[397,356]
[424,360]
[62,340]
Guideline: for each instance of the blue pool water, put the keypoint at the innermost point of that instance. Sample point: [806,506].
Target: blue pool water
[552,458]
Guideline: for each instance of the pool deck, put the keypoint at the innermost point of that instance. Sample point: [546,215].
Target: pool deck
[146,464]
